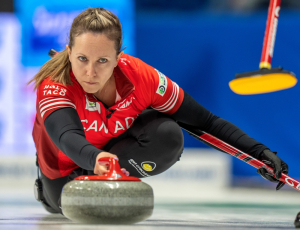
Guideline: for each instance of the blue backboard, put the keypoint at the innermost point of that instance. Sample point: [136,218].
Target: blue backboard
[46,25]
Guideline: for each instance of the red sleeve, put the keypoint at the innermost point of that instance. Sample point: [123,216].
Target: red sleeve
[164,95]
[52,96]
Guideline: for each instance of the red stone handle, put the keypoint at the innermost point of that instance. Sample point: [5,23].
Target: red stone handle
[114,172]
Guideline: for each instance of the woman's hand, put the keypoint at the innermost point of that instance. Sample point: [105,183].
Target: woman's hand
[278,165]
[101,169]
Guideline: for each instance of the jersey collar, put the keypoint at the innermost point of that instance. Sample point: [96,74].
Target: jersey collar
[123,84]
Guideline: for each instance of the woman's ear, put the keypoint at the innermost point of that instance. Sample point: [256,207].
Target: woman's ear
[119,56]
[69,51]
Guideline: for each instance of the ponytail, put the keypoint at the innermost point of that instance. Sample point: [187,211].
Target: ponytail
[57,67]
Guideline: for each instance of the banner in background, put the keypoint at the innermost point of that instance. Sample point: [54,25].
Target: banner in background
[200,175]
[10,91]
[46,25]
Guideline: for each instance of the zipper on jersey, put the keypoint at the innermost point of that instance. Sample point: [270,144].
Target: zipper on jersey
[108,110]
[111,113]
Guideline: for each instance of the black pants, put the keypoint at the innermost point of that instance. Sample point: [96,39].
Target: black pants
[152,145]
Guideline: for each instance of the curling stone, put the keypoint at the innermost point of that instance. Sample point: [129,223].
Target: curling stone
[113,198]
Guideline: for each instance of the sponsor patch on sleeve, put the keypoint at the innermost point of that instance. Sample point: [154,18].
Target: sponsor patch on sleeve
[162,86]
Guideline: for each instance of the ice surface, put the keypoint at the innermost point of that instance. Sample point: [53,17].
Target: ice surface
[241,210]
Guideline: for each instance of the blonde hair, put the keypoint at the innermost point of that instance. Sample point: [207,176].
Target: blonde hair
[95,20]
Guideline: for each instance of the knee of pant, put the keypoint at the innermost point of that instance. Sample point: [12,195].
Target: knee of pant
[167,147]
[170,139]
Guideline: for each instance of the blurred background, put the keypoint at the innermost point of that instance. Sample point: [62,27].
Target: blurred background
[200,44]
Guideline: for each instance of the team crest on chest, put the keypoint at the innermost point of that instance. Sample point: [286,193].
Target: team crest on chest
[92,106]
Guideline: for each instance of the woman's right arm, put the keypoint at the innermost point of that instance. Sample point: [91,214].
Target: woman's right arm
[66,131]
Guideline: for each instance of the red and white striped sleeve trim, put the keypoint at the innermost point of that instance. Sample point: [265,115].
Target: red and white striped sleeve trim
[54,103]
[171,102]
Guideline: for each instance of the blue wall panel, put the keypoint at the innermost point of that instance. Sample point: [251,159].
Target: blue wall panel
[202,53]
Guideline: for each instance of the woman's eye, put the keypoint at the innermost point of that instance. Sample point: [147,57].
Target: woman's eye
[82,58]
[102,60]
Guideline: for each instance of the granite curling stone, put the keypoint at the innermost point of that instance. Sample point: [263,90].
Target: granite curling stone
[110,199]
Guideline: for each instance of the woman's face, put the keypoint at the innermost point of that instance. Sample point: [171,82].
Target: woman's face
[93,58]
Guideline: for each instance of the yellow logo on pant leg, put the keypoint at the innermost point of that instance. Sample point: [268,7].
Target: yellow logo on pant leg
[148,166]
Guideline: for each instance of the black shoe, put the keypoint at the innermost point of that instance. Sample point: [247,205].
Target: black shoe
[49,209]
[297,221]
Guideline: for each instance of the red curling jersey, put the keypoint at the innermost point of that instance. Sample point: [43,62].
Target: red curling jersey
[138,86]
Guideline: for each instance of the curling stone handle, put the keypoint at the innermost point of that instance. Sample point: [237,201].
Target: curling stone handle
[114,169]
[114,172]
